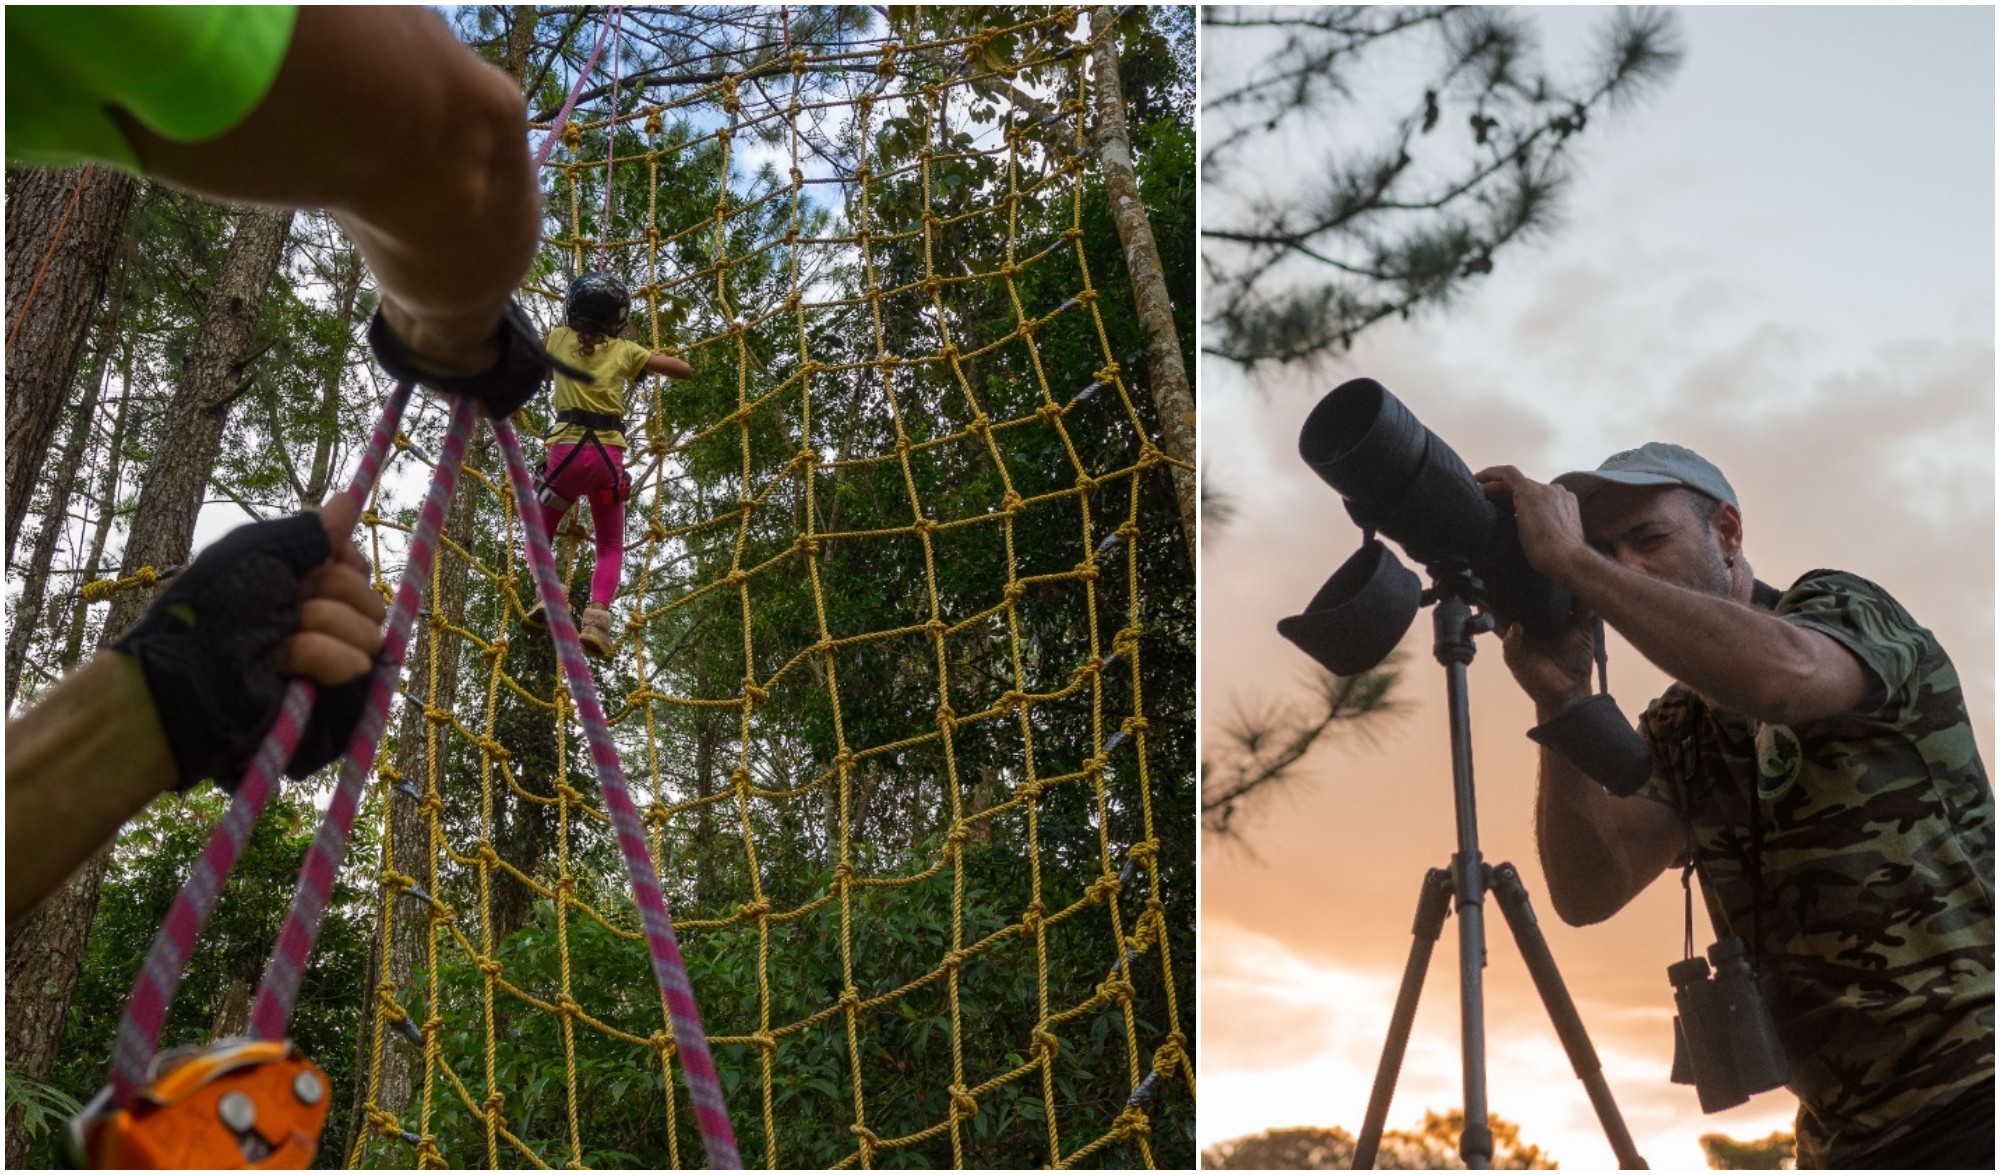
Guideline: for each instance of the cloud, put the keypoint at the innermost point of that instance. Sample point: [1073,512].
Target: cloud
[1567,298]
[1885,471]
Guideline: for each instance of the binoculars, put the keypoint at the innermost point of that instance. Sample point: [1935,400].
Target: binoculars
[1725,1043]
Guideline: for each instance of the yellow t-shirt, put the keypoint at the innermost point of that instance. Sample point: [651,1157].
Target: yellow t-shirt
[614,364]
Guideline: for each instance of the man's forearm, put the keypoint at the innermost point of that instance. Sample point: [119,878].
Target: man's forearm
[87,757]
[451,240]
[1597,850]
[1736,656]
[417,147]
[1573,842]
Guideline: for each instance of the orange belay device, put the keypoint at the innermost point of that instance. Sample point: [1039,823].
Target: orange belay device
[233,1104]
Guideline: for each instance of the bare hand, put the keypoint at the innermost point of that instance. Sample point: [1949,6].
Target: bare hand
[1554,672]
[340,613]
[1547,517]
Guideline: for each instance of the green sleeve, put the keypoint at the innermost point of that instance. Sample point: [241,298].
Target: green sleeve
[185,72]
[1866,621]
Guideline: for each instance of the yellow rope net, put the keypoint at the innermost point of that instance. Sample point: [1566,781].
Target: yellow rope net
[837,231]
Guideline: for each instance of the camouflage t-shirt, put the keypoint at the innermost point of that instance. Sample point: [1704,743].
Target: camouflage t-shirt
[1877,874]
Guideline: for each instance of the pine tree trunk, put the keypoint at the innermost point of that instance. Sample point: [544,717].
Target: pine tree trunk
[409,831]
[45,335]
[33,606]
[529,734]
[232,1011]
[107,497]
[320,482]
[46,954]
[706,733]
[44,961]
[1172,394]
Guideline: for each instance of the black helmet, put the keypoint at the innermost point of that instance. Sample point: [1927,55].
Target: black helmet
[598,303]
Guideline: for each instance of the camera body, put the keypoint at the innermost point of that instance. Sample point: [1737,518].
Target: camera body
[1725,1042]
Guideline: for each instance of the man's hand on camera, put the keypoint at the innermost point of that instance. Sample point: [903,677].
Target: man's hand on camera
[1547,517]
[1554,673]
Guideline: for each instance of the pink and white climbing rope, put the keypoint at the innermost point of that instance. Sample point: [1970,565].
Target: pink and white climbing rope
[704,1086]
[146,1010]
[280,987]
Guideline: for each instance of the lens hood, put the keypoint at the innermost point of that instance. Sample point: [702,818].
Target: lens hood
[1362,441]
[1360,614]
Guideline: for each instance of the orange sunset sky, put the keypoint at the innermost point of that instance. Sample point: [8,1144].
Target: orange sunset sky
[1785,270]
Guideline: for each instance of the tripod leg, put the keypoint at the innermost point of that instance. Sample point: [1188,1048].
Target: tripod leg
[1470,881]
[1432,905]
[1505,882]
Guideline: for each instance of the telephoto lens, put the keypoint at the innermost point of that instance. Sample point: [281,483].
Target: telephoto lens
[1757,1055]
[1401,480]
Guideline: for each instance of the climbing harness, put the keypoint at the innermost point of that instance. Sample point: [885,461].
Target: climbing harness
[591,423]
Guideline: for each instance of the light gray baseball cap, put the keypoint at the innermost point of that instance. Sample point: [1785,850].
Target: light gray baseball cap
[1654,463]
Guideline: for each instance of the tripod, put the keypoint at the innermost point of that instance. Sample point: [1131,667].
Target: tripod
[1454,591]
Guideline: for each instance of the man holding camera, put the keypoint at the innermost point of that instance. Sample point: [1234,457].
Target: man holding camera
[1814,764]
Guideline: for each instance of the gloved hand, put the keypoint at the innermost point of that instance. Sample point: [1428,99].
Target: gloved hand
[511,382]
[265,601]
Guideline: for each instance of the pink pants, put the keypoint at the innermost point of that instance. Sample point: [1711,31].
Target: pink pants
[587,474]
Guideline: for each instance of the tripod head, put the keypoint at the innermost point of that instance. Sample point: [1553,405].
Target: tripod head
[1460,611]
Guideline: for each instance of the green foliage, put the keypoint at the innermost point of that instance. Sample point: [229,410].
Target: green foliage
[153,858]
[905,1061]
[42,1107]
[1774,1152]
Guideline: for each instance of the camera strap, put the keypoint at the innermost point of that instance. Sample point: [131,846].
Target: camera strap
[1687,906]
[1694,865]
[1756,884]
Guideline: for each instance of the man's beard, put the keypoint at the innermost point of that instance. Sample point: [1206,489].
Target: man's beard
[1712,578]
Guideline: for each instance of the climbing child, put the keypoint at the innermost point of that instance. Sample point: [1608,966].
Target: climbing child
[587,449]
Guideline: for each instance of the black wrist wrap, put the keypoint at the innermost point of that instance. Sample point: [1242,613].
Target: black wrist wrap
[511,382]
[1595,737]
[205,650]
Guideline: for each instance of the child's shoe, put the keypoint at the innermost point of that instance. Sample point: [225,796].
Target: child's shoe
[537,619]
[595,632]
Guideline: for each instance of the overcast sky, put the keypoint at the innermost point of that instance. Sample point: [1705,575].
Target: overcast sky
[1783,260]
